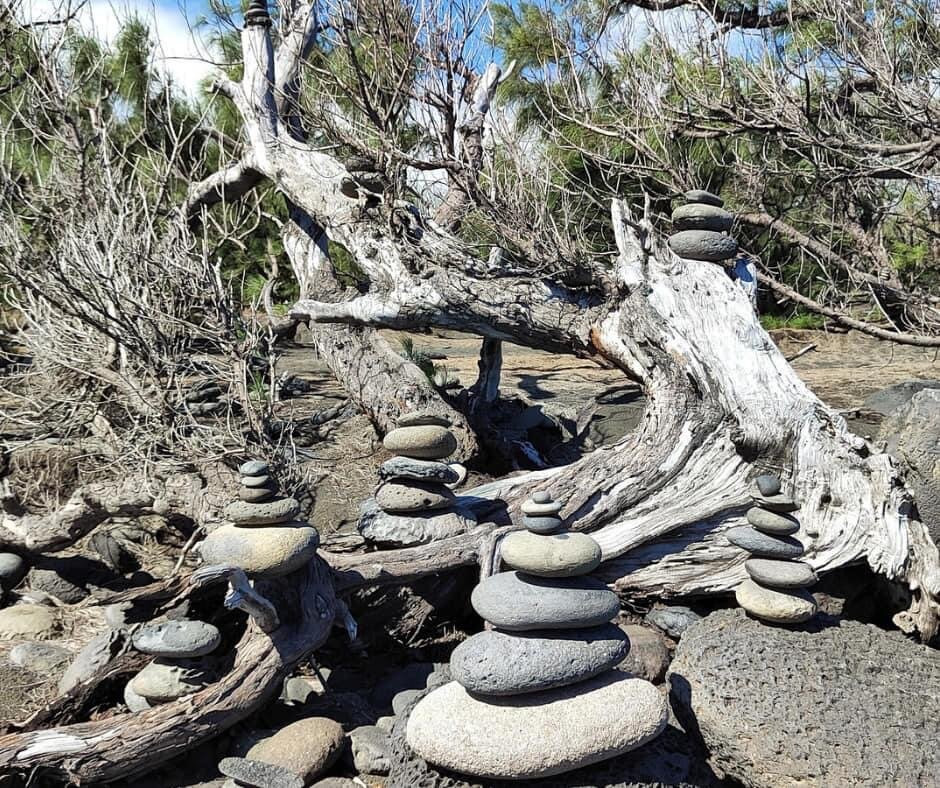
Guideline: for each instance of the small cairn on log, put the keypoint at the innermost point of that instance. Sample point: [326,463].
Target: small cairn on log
[701,227]
[262,537]
[414,501]
[537,695]
[776,589]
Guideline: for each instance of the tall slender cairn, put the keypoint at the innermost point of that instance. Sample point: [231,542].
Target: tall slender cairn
[776,589]
[701,228]
[537,695]
[414,502]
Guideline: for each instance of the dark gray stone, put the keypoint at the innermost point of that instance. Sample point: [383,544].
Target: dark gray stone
[548,524]
[515,602]
[780,574]
[496,663]
[402,530]
[256,481]
[672,620]
[39,657]
[47,578]
[827,703]
[776,523]
[672,760]
[419,470]
[698,216]
[177,639]
[703,197]
[258,774]
[705,245]
[892,398]
[253,468]
[409,677]
[768,484]
[764,545]
[12,570]
[776,503]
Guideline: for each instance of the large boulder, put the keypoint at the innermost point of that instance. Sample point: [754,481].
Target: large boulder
[828,703]
[912,434]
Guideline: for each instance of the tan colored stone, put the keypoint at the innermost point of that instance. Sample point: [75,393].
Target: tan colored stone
[781,607]
[307,747]
[262,552]
[555,555]
[35,622]
[427,442]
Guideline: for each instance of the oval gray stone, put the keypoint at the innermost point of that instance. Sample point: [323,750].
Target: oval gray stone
[253,468]
[419,470]
[768,484]
[704,245]
[674,620]
[256,481]
[281,510]
[541,508]
[496,663]
[164,680]
[547,524]
[398,497]
[779,607]
[429,442]
[698,216]
[776,503]
[704,197]
[422,418]
[12,570]
[780,574]
[262,552]
[542,496]
[764,545]
[558,555]
[514,602]
[256,494]
[181,638]
[772,522]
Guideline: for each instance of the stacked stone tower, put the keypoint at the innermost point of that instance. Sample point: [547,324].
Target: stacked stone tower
[537,695]
[413,502]
[263,536]
[701,226]
[776,588]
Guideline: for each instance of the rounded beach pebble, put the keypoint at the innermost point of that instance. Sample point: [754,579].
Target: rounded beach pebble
[180,638]
[558,555]
[426,442]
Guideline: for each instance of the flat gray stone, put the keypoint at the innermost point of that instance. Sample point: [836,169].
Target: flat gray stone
[774,523]
[257,774]
[830,703]
[558,555]
[535,508]
[419,470]
[515,602]
[262,552]
[282,510]
[28,621]
[768,484]
[411,496]
[257,481]
[673,620]
[698,216]
[428,442]
[402,530]
[783,606]
[256,494]
[96,653]
[704,245]
[764,545]
[497,663]
[547,524]
[539,734]
[165,680]
[181,638]
[49,579]
[369,745]
[12,569]
[422,418]
[40,657]
[780,574]
[704,197]
[776,503]
[253,468]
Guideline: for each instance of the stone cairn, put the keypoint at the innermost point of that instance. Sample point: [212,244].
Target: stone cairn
[537,695]
[414,502]
[701,228]
[776,588]
[263,536]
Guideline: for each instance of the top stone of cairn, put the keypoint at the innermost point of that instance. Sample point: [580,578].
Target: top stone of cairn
[768,484]
[253,468]
[421,442]
[702,196]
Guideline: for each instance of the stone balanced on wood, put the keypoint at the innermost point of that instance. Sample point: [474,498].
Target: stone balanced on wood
[776,588]
[537,695]
[701,228]
[413,502]
[263,536]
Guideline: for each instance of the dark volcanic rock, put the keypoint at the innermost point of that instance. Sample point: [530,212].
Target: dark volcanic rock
[829,703]
[673,759]
[259,775]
